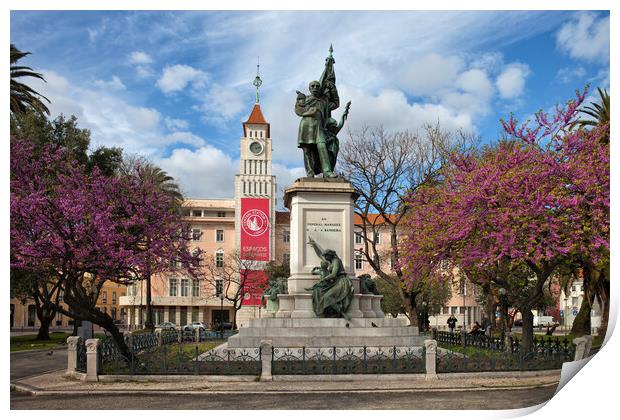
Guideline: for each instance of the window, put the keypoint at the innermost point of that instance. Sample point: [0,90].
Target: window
[59,320]
[286,259]
[219,287]
[197,213]
[172,314]
[113,298]
[286,236]
[377,238]
[219,259]
[173,287]
[194,314]
[186,212]
[462,288]
[221,214]
[113,313]
[196,234]
[104,297]
[219,235]
[575,301]
[133,289]
[195,287]
[359,238]
[184,287]
[359,261]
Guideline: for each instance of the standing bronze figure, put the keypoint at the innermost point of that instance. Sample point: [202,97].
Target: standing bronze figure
[317,129]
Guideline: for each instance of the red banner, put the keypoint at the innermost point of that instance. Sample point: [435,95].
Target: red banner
[255,229]
[253,287]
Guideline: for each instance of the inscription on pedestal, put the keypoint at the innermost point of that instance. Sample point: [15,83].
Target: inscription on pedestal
[325,227]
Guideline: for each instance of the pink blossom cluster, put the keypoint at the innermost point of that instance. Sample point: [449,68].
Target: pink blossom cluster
[69,223]
[537,198]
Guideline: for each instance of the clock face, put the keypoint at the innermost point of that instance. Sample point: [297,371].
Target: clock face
[256,147]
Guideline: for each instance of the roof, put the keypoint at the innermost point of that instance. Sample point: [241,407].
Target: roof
[216,203]
[372,219]
[256,116]
[283,217]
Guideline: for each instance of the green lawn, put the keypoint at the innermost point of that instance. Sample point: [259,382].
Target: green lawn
[30,342]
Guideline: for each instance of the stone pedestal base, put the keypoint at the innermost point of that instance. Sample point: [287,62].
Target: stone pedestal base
[327,332]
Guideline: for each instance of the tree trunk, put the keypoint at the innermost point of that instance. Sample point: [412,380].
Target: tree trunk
[118,337]
[44,329]
[582,323]
[234,319]
[527,338]
[149,325]
[46,316]
[410,309]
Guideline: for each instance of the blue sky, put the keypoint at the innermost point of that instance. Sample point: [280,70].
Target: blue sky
[175,86]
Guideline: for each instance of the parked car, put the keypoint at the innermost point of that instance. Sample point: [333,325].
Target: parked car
[518,323]
[193,325]
[166,325]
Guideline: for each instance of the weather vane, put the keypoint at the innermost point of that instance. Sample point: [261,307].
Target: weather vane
[257,80]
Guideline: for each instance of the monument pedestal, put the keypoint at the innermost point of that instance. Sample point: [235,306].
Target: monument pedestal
[322,210]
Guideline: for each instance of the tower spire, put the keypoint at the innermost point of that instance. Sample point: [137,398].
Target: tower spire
[257,80]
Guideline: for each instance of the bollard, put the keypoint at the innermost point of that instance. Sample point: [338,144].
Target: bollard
[92,359]
[266,348]
[430,347]
[580,347]
[160,339]
[72,348]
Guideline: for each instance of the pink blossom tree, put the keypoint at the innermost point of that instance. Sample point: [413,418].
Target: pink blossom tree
[85,229]
[530,203]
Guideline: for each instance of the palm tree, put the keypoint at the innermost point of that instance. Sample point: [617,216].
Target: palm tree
[24,98]
[164,182]
[600,113]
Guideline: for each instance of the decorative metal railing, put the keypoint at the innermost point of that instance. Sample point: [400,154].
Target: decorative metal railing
[81,356]
[177,359]
[347,360]
[482,360]
[540,344]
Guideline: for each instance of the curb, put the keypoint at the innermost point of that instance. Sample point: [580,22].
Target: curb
[40,392]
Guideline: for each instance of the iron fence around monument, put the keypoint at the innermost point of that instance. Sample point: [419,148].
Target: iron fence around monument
[482,360]
[347,360]
[178,358]
[80,356]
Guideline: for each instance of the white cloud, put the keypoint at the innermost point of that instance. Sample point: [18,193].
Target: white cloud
[176,77]
[140,57]
[114,84]
[175,124]
[585,37]
[568,74]
[220,104]
[431,73]
[185,137]
[205,172]
[511,82]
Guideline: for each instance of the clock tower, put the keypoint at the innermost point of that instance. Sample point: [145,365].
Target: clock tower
[255,193]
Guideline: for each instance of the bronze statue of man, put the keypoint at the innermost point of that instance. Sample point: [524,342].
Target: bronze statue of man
[316,137]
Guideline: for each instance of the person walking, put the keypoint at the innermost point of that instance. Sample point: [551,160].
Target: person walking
[451,323]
